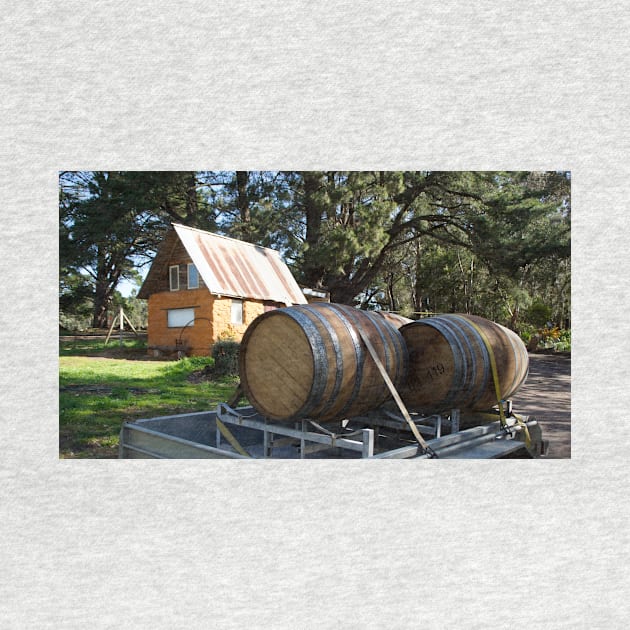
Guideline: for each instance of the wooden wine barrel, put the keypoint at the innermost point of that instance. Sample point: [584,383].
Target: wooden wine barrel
[310,362]
[394,319]
[449,363]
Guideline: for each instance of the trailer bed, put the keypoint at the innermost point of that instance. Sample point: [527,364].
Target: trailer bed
[243,434]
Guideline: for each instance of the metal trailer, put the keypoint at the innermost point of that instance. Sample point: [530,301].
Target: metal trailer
[242,433]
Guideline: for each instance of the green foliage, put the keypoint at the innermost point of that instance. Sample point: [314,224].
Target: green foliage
[75,292]
[137,311]
[491,242]
[188,365]
[132,347]
[526,332]
[555,339]
[225,355]
[538,313]
[563,343]
[98,394]
[73,322]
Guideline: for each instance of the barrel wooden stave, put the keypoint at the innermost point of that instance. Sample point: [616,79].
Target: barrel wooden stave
[449,364]
[294,371]
[394,319]
[309,361]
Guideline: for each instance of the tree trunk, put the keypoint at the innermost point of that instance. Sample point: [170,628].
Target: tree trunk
[417,288]
[514,317]
[391,294]
[107,277]
[101,303]
[192,205]
[242,203]
[313,271]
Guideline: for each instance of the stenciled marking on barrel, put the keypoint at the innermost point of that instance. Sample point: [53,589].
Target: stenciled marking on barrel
[460,372]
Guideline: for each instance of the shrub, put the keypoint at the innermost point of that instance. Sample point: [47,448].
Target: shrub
[225,355]
[538,313]
[556,339]
[183,367]
[526,331]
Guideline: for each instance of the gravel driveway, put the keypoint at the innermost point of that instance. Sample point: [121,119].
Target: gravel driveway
[546,395]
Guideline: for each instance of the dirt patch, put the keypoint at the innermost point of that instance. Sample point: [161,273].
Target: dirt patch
[104,390]
[206,375]
[546,395]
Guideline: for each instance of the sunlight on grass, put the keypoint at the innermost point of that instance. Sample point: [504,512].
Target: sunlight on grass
[98,394]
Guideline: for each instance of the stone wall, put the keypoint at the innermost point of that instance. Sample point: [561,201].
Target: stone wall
[222,318]
[213,321]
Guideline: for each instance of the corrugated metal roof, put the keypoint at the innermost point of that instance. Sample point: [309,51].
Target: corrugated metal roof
[238,269]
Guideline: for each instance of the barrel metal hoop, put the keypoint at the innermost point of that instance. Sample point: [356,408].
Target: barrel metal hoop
[468,359]
[378,325]
[358,351]
[338,359]
[521,364]
[320,376]
[477,394]
[460,374]
[401,357]
[517,367]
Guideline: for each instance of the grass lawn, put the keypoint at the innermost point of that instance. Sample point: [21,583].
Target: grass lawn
[100,387]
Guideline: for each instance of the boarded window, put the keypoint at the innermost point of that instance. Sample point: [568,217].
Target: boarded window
[237,311]
[173,277]
[178,317]
[193,277]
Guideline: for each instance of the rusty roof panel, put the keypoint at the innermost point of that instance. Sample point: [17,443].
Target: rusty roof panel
[239,269]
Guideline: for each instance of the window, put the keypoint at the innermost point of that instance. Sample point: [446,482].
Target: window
[193,277]
[237,311]
[173,277]
[178,317]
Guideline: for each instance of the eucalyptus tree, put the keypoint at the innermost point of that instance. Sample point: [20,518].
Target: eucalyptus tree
[108,228]
[473,241]
[471,238]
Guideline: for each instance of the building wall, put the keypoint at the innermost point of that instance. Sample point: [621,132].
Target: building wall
[213,315]
[198,336]
[179,256]
[222,318]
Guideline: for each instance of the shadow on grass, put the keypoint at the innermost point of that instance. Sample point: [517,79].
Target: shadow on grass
[97,394]
[134,349]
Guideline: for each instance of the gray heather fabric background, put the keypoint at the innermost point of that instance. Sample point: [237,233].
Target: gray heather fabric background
[348,85]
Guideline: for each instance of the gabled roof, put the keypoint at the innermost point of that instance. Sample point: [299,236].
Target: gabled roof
[234,268]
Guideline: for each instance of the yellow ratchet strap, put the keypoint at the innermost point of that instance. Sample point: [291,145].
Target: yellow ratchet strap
[521,423]
[227,434]
[497,386]
[493,367]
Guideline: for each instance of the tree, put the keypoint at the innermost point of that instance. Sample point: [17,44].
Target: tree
[341,219]
[484,242]
[184,197]
[107,230]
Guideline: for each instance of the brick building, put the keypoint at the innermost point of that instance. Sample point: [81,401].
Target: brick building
[203,287]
